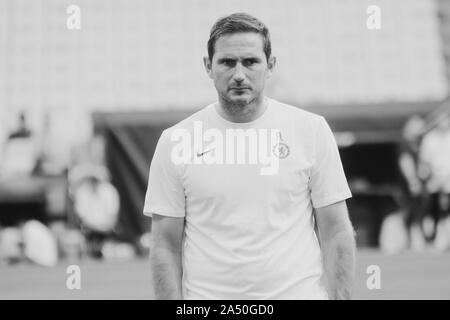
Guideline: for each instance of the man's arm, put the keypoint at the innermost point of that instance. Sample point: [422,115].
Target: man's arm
[165,256]
[338,249]
[408,169]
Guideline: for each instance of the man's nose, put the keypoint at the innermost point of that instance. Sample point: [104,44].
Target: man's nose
[239,75]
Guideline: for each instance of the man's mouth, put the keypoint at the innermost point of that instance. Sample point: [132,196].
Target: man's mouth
[239,88]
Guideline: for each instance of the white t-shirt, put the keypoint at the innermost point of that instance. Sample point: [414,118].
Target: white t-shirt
[249,235]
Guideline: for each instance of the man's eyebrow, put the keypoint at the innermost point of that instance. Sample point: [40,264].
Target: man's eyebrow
[226,59]
[251,58]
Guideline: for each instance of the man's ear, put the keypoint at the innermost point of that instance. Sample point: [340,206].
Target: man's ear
[207,62]
[271,65]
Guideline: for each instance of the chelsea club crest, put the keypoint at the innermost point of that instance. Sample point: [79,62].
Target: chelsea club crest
[281,149]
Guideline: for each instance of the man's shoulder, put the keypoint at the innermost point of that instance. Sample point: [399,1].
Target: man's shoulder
[296,113]
[187,123]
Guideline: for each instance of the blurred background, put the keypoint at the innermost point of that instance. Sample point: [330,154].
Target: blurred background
[81,111]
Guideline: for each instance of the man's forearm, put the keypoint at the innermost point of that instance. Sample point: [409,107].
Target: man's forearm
[166,274]
[339,263]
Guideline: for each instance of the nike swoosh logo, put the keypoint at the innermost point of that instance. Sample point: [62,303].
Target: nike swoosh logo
[204,152]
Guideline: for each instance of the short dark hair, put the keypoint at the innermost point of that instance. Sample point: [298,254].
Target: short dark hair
[236,23]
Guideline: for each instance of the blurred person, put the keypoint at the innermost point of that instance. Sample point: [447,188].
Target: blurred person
[414,175]
[11,245]
[28,174]
[21,192]
[230,232]
[435,152]
[51,157]
[96,204]
[20,151]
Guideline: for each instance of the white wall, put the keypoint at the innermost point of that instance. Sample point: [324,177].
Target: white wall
[144,55]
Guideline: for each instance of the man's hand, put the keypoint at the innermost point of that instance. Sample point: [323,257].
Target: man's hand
[338,249]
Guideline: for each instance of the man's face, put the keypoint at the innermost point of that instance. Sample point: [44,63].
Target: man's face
[239,67]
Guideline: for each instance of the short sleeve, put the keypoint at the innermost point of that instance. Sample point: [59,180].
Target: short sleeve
[327,183]
[165,192]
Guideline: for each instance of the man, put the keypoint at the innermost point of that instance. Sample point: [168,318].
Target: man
[230,222]
[413,179]
[435,153]
[20,152]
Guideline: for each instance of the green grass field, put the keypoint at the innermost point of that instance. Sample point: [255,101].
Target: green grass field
[406,276]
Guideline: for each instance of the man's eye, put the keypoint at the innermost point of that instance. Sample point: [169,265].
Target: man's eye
[249,63]
[228,63]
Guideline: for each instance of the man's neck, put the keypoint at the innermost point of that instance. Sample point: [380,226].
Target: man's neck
[242,114]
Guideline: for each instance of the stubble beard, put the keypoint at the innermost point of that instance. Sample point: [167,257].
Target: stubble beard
[240,107]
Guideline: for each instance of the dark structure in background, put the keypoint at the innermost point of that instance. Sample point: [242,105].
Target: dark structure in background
[367,134]
[131,139]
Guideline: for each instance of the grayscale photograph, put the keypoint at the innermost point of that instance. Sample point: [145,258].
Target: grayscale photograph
[224,151]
